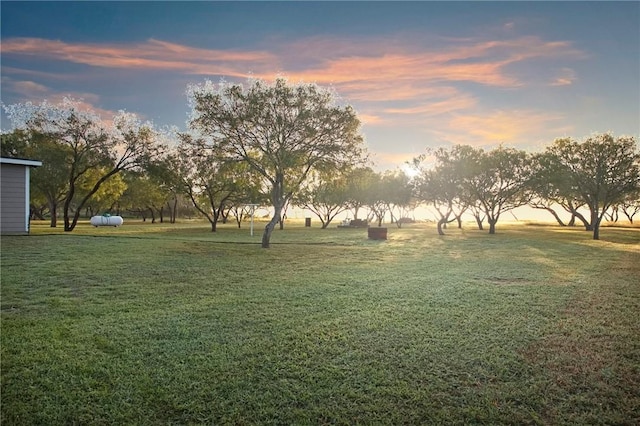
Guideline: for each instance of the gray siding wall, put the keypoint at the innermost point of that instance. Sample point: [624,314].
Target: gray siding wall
[13,203]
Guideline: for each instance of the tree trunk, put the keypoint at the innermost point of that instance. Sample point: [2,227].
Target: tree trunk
[441,222]
[595,223]
[278,199]
[555,215]
[153,215]
[459,220]
[479,222]
[266,236]
[492,226]
[53,208]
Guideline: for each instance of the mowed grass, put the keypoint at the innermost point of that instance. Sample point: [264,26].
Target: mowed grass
[172,324]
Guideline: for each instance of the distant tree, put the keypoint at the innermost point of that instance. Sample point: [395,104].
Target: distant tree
[88,143]
[358,181]
[163,172]
[498,180]
[325,197]
[398,194]
[375,197]
[602,170]
[143,196]
[440,187]
[208,177]
[630,206]
[550,185]
[283,131]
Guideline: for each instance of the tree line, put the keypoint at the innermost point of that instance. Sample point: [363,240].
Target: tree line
[281,144]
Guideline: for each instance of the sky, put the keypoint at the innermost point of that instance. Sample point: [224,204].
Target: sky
[419,74]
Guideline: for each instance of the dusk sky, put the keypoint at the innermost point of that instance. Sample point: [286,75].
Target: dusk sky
[420,74]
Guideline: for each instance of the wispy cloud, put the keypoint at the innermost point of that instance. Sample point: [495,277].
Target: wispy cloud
[402,80]
[150,55]
[357,65]
[566,77]
[512,127]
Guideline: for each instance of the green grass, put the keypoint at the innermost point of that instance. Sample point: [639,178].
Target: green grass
[166,324]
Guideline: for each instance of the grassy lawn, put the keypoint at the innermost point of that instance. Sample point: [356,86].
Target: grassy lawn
[166,324]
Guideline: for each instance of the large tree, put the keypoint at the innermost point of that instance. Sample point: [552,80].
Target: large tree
[551,185]
[442,185]
[89,144]
[498,180]
[283,131]
[602,171]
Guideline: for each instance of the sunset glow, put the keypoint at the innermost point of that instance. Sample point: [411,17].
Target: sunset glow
[420,74]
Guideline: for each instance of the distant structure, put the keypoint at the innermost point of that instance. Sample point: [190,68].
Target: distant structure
[14,195]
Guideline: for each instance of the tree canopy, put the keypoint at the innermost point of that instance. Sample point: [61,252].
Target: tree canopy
[87,144]
[282,130]
[602,171]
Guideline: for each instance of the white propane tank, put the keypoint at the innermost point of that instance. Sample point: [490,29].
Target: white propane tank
[106,220]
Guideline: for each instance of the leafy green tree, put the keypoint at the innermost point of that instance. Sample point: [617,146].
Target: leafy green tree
[207,177]
[602,170]
[498,180]
[143,196]
[550,185]
[358,181]
[442,186]
[163,172]
[88,143]
[106,196]
[325,197]
[398,194]
[630,206]
[14,144]
[283,131]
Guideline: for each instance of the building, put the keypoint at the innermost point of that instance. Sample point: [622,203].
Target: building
[14,195]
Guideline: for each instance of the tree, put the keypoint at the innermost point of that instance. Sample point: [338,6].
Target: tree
[439,187]
[125,145]
[359,180]
[630,206]
[374,199]
[398,194]
[104,198]
[498,180]
[603,170]
[442,186]
[283,131]
[551,185]
[325,197]
[207,177]
[162,171]
[143,196]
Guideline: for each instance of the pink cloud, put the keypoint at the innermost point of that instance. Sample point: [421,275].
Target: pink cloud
[150,55]
[392,81]
[504,126]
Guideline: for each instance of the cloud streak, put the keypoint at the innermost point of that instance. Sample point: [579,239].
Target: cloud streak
[394,81]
